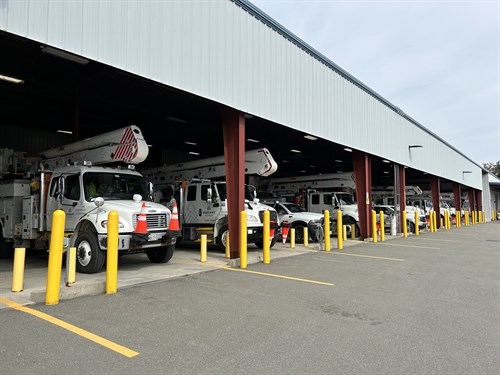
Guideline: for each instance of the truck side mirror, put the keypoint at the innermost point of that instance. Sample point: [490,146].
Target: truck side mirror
[99,201]
[209,195]
[60,188]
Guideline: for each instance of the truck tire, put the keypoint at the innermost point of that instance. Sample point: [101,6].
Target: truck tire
[299,233]
[6,248]
[222,237]
[161,254]
[89,257]
[260,244]
[411,227]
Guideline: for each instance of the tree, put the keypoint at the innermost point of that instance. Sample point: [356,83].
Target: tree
[493,168]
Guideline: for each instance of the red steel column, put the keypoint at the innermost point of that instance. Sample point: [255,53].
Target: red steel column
[436,201]
[457,198]
[233,128]
[363,176]
[479,200]
[402,193]
[472,201]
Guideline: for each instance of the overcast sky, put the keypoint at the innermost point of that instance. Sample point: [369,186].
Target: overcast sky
[439,61]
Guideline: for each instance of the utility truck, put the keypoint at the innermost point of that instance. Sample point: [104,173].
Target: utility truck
[317,193]
[87,180]
[201,198]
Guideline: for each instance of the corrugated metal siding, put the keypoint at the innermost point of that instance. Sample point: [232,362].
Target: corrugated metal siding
[218,50]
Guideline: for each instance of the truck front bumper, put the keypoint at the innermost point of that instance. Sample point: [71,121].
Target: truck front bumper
[137,241]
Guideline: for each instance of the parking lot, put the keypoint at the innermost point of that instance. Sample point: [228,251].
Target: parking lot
[421,305]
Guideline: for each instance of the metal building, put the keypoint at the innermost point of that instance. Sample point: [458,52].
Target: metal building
[233,54]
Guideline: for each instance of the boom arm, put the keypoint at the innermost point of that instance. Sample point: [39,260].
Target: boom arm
[257,161]
[125,145]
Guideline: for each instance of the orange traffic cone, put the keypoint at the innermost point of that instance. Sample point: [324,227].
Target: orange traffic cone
[284,233]
[174,222]
[142,225]
[271,232]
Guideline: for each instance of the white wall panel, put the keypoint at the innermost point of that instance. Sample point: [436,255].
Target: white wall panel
[220,51]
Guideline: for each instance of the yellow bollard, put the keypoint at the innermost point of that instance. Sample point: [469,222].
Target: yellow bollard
[326,228]
[434,214]
[374,227]
[203,248]
[353,231]
[18,269]
[340,244]
[55,258]
[344,232]
[405,224]
[466,218]
[112,254]
[71,266]
[292,238]
[446,220]
[306,237]
[228,248]
[416,223]
[266,247]
[243,239]
[382,226]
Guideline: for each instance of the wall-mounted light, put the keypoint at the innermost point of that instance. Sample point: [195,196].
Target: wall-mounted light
[464,172]
[415,146]
[64,55]
[310,137]
[347,149]
[253,140]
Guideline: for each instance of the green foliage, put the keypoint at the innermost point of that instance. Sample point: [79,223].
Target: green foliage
[493,168]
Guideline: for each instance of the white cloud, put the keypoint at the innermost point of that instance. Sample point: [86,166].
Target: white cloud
[437,60]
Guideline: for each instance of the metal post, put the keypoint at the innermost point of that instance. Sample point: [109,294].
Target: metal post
[266,249]
[55,258]
[243,239]
[112,254]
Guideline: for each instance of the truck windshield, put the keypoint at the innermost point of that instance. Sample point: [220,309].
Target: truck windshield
[346,199]
[113,186]
[221,187]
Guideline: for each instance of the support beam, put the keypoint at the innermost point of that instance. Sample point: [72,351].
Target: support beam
[233,128]
[457,198]
[472,200]
[479,200]
[436,201]
[402,193]
[363,176]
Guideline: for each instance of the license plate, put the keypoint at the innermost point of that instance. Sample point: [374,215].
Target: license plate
[155,236]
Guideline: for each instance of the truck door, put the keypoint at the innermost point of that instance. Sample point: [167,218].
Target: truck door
[202,204]
[65,194]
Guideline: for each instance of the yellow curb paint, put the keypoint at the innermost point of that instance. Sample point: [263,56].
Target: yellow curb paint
[88,335]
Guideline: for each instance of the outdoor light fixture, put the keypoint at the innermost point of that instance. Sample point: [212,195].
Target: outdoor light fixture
[193,153]
[65,131]
[253,140]
[296,151]
[64,55]
[11,79]
[386,161]
[348,149]
[175,119]
[415,146]
[338,161]
[191,143]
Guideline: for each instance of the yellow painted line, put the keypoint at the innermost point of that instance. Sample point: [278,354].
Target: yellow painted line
[436,239]
[419,247]
[261,273]
[90,336]
[365,256]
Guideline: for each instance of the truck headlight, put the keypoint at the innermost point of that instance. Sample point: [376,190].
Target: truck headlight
[104,224]
[252,219]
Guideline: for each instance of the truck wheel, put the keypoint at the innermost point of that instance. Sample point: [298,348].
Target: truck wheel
[411,227]
[260,244]
[89,257]
[348,222]
[6,248]
[161,254]
[222,237]
[299,233]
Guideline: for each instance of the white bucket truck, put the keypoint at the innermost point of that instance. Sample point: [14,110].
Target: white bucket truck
[202,200]
[74,178]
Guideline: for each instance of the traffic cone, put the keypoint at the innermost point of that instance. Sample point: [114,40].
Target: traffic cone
[271,232]
[174,222]
[284,232]
[142,225]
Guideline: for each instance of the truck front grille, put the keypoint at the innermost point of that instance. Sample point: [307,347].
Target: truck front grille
[154,221]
